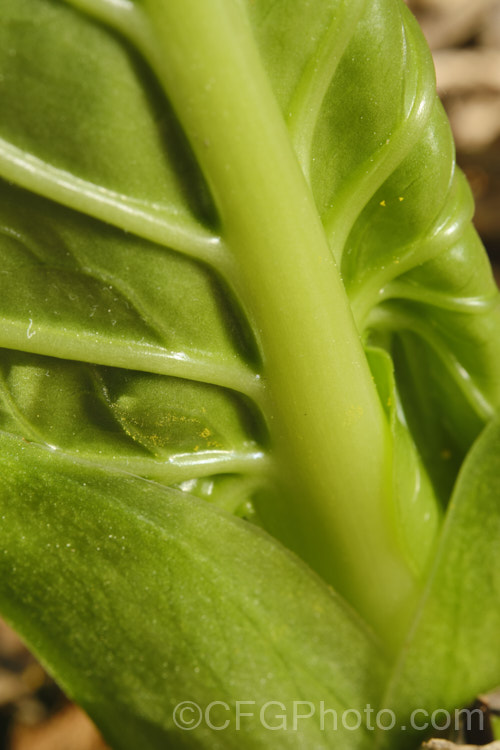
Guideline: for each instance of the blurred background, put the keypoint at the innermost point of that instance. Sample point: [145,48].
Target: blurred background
[464,36]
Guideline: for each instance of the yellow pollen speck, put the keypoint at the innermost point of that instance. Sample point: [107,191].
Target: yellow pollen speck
[353,414]
[382,203]
[400,198]
[205,433]
[214,444]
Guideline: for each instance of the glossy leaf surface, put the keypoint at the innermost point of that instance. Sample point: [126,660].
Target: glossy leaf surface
[237,260]
[453,650]
[92,549]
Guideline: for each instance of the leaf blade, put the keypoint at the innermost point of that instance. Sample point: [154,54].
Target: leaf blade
[113,546]
[452,653]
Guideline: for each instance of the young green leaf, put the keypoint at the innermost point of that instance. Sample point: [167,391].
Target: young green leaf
[236,260]
[452,653]
[140,598]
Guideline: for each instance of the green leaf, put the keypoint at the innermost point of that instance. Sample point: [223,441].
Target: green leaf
[94,293]
[118,583]
[237,261]
[453,650]
[85,123]
[375,146]
[120,419]
[418,515]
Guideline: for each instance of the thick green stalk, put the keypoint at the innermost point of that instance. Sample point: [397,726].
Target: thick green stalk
[326,422]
